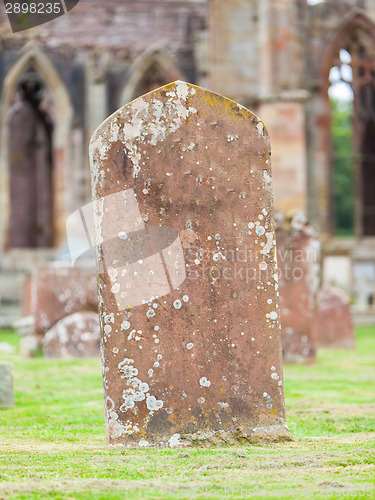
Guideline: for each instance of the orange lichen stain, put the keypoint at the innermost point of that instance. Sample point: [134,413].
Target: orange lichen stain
[222,390]
[273,411]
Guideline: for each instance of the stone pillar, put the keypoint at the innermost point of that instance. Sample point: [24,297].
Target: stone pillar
[286,125]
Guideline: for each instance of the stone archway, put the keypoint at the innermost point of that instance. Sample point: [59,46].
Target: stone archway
[152,69]
[35,99]
[356,35]
[30,123]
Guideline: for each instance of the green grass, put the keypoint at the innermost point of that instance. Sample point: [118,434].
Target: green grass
[52,443]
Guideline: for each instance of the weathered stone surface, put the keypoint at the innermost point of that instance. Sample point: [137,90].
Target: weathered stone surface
[181,179]
[6,385]
[297,256]
[333,325]
[59,290]
[75,336]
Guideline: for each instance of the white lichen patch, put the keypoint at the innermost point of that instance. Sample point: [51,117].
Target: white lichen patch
[174,440]
[153,404]
[218,256]
[145,122]
[260,128]
[112,273]
[269,244]
[223,405]
[109,318]
[204,382]
[136,389]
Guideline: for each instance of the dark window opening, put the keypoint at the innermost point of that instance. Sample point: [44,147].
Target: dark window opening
[368,180]
[30,159]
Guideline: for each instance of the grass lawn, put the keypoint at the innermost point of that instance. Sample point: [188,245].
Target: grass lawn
[52,444]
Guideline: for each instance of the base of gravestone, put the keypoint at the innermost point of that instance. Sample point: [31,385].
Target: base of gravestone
[6,385]
[269,434]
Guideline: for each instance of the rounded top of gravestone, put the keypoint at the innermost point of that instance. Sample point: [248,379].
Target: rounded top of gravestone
[153,116]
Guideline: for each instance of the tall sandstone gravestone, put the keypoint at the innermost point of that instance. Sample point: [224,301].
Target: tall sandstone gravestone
[187,274]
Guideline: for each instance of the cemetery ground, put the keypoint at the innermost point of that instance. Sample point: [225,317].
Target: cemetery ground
[52,443]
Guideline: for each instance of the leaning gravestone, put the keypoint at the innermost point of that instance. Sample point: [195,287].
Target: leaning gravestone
[187,274]
[6,385]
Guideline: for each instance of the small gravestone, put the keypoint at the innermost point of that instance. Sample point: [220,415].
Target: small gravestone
[333,324]
[59,290]
[75,336]
[187,273]
[6,385]
[298,257]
